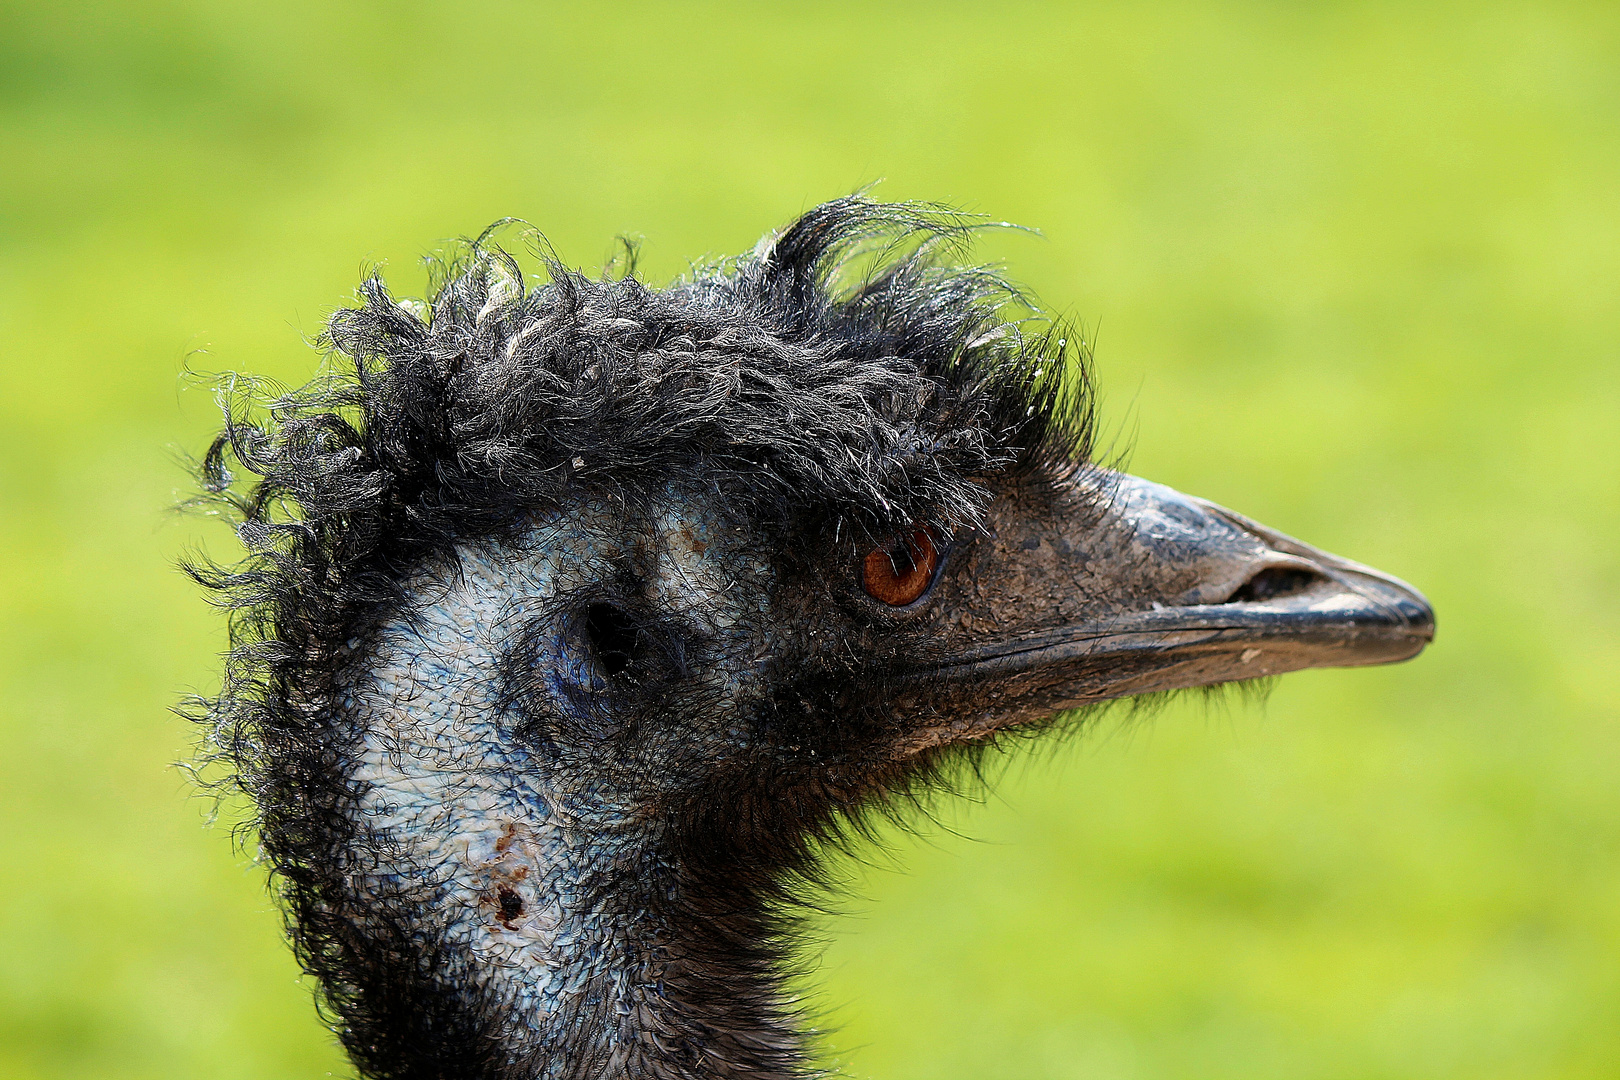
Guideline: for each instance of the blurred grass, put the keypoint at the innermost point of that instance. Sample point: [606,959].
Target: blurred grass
[1352,269]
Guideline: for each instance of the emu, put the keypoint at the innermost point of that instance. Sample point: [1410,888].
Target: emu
[578,619]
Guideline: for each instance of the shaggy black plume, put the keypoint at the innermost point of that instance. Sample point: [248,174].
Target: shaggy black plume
[840,380]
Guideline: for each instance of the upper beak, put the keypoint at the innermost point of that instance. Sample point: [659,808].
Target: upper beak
[1114,585]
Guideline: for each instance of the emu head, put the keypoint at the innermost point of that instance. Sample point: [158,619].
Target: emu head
[576,617]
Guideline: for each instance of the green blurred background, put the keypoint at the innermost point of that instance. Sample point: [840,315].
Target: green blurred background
[1352,270]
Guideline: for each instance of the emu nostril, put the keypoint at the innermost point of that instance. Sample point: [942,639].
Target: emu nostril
[1274,581]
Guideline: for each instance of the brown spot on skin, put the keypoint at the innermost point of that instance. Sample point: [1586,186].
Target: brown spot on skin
[505,871]
[511,906]
[689,536]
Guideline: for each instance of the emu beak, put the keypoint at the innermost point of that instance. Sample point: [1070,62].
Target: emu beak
[1113,586]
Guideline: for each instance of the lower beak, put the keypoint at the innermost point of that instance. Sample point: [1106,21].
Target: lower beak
[1146,589]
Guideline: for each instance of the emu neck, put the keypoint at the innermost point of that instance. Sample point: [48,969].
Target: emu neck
[553,956]
[548,953]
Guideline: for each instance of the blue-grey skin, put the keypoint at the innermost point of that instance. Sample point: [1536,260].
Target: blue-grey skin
[488,842]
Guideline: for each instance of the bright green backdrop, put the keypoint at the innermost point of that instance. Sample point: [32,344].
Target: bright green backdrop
[1353,271]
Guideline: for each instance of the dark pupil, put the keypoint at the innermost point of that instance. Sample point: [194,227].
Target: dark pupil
[903,562]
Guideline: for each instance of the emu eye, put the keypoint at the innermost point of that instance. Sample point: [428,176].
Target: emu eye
[899,573]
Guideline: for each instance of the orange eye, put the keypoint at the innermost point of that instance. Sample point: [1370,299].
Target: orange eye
[901,572]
